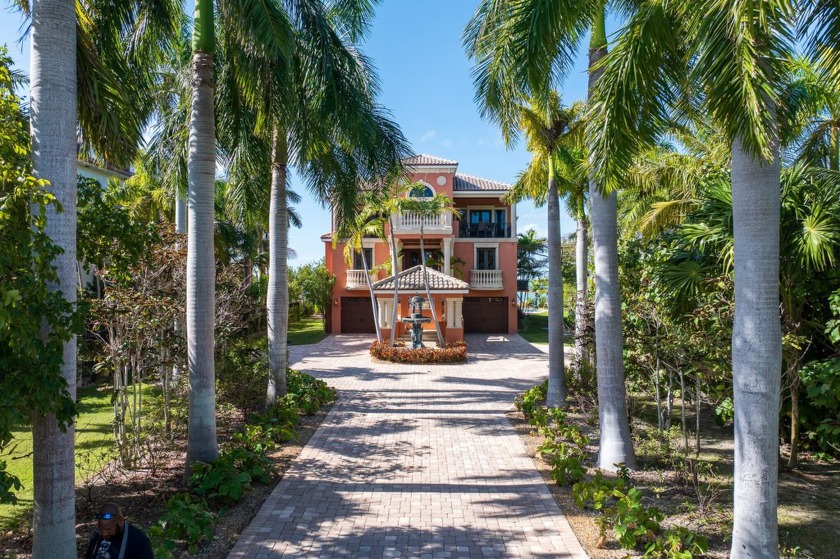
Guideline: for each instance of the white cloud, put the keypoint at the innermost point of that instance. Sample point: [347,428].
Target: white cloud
[428,135]
[540,229]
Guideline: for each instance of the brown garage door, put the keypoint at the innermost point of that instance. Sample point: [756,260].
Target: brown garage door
[356,316]
[486,315]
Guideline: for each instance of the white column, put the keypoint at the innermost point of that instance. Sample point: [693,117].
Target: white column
[447,256]
[385,312]
[513,221]
[459,309]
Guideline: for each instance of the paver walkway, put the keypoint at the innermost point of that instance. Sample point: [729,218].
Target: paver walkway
[414,461]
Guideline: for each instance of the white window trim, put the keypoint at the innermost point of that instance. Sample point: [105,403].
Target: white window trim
[477,246]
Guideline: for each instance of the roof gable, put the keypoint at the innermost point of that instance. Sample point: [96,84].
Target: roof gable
[412,280]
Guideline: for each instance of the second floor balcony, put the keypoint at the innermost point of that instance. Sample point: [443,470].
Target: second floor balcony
[410,222]
[484,230]
[356,279]
[486,279]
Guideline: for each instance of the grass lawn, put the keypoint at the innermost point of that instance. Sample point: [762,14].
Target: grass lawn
[93,436]
[534,327]
[306,331]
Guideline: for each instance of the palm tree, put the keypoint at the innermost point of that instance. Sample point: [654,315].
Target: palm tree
[425,208]
[549,127]
[521,49]
[80,80]
[571,175]
[368,222]
[531,259]
[202,443]
[52,129]
[734,54]
[326,123]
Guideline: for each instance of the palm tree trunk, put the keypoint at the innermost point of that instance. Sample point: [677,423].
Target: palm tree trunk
[441,341]
[180,213]
[615,446]
[756,352]
[581,250]
[53,135]
[372,298]
[202,443]
[556,396]
[277,305]
[394,272]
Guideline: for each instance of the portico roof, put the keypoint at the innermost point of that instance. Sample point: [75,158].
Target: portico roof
[411,280]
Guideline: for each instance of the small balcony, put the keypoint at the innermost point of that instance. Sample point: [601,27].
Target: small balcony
[486,279]
[484,230]
[410,222]
[356,279]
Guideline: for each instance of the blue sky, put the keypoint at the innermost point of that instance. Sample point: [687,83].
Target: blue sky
[426,83]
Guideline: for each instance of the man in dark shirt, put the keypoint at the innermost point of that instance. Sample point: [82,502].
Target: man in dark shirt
[117,539]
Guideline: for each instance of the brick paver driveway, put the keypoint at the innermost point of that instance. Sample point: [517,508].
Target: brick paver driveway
[414,461]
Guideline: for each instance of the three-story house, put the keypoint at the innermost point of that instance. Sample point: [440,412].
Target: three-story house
[471,260]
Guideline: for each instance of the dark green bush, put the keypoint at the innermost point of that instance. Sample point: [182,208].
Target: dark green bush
[186,519]
[220,480]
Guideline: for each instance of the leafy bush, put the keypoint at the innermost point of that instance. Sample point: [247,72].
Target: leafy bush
[633,523]
[242,374]
[221,480]
[186,519]
[821,380]
[532,398]
[564,446]
[456,352]
[312,393]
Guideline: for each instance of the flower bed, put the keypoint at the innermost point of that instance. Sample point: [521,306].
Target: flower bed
[456,352]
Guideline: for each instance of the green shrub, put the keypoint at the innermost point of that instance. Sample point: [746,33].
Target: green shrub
[220,480]
[632,523]
[242,374]
[677,543]
[531,399]
[186,519]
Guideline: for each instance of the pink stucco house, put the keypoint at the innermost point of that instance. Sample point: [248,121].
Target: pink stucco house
[475,294]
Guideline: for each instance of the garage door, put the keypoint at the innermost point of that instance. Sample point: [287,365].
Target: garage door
[486,315]
[356,316]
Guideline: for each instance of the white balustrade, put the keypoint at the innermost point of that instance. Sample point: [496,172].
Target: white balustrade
[486,279]
[356,279]
[411,221]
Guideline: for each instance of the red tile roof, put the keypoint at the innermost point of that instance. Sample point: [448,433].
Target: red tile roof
[470,182]
[412,280]
[423,159]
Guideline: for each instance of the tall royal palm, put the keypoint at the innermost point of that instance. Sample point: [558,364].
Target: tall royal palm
[734,53]
[79,81]
[549,127]
[568,166]
[202,444]
[53,131]
[521,49]
[326,123]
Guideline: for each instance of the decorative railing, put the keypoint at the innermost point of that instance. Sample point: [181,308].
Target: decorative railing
[485,279]
[484,230]
[411,221]
[356,279]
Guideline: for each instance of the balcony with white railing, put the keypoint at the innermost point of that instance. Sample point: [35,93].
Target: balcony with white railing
[410,222]
[356,279]
[485,279]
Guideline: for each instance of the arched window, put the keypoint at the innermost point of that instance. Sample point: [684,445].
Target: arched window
[422,191]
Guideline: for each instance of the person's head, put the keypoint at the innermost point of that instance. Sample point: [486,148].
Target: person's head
[110,520]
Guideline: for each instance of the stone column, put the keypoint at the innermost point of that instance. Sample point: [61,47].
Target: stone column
[447,256]
[457,311]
